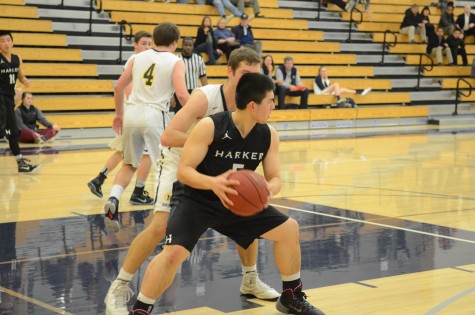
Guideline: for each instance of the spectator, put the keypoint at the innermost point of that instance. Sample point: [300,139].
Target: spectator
[268,67]
[430,29]
[466,21]
[438,46]
[220,5]
[457,46]
[225,39]
[205,41]
[195,69]
[323,86]
[27,116]
[447,21]
[353,3]
[241,4]
[412,24]
[243,33]
[289,83]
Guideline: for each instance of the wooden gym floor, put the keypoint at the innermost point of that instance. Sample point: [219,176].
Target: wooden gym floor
[387,227]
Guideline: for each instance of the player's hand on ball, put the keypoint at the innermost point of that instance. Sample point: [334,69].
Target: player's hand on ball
[270,193]
[221,186]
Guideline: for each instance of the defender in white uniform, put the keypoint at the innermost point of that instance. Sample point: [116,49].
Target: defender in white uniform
[203,102]
[156,74]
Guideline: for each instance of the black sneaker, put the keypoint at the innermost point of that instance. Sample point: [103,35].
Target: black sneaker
[24,167]
[95,187]
[294,302]
[143,199]
[111,220]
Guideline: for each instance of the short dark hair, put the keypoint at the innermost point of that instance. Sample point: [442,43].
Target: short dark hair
[252,87]
[165,34]
[187,38]
[248,55]
[141,34]
[3,33]
[25,94]
[288,58]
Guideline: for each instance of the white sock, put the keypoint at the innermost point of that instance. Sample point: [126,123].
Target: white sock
[246,269]
[139,183]
[145,299]
[293,277]
[117,191]
[18,157]
[124,275]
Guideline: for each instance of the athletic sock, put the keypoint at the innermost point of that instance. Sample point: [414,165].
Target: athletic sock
[246,269]
[144,303]
[139,187]
[124,275]
[117,191]
[291,282]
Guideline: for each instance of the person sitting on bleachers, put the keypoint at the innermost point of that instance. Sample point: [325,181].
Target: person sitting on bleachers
[457,46]
[243,33]
[268,67]
[430,28]
[447,21]
[438,47]
[28,116]
[205,41]
[225,39]
[466,21]
[289,83]
[241,4]
[323,86]
[220,5]
[412,24]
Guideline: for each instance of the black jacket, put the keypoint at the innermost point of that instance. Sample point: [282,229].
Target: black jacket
[435,42]
[201,37]
[461,20]
[238,31]
[411,20]
[446,20]
[455,42]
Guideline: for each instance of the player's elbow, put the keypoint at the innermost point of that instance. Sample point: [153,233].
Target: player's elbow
[183,96]
[165,140]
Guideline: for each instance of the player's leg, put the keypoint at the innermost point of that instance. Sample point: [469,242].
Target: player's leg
[95,185]
[251,285]
[140,196]
[288,260]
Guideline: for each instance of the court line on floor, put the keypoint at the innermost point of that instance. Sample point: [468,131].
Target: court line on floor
[34,301]
[449,301]
[375,223]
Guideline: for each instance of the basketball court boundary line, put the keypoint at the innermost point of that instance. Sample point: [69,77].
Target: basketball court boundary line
[375,223]
[449,301]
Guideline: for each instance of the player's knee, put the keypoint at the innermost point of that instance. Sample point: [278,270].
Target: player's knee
[175,254]
[293,227]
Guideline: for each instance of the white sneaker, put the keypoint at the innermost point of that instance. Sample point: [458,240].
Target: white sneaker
[117,297]
[253,286]
[366,91]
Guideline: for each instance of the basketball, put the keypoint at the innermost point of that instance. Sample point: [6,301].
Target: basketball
[252,193]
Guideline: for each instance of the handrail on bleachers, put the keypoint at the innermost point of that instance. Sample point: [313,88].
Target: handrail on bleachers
[459,92]
[387,45]
[423,67]
[350,28]
[121,35]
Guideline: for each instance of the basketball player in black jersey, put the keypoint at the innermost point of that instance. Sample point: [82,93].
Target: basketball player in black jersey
[217,147]
[10,71]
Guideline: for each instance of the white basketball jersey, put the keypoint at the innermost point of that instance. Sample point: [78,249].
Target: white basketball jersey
[216,101]
[153,79]
[128,60]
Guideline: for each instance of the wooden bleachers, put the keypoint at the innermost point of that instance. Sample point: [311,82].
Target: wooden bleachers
[370,99]
[79,103]
[447,71]
[18,11]
[414,60]
[262,3]
[177,8]
[40,39]
[48,54]
[308,71]
[13,2]
[69,86]
[155,18]
[452,83]
[26,25]
[60,70]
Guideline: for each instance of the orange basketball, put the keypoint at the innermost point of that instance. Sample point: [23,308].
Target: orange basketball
[252,195]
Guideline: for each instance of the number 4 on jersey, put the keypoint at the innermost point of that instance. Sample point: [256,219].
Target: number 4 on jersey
[148,75]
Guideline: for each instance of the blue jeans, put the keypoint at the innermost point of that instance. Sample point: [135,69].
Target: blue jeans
[208,48]
[221,4]
[188,1]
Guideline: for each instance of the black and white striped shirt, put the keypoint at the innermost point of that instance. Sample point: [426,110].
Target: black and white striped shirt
[195,69]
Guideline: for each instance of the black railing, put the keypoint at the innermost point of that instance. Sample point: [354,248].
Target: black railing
[61,5]
[127,37]
[458,93]
[423,67]
[387,45]
[91,9]
[356,22]
[319,9]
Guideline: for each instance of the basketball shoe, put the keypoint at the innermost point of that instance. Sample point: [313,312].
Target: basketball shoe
[111,209]
[25,167]
[139,312]
[95,187]
[253,286]
[117,297]
[295,302]
[143,199]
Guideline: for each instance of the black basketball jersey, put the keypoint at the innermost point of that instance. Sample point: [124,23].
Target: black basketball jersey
[229,150]
[8,74]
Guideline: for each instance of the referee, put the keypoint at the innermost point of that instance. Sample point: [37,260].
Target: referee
[195,69]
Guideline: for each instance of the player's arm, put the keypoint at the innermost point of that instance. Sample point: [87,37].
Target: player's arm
[271,164]
[21,75]
[119,96]
[204,80]
[179,82]
[176,133]
[194,151]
